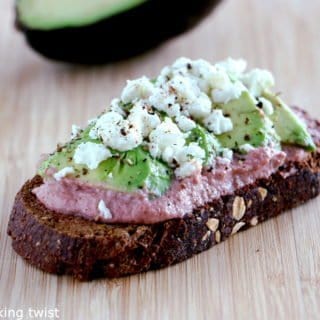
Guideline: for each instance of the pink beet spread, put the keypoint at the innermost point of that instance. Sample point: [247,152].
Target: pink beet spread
[72,196]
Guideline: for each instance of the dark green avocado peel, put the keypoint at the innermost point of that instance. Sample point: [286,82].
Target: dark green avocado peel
[114,30]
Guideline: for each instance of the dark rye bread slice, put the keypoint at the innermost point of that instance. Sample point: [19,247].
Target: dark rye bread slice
[63,244]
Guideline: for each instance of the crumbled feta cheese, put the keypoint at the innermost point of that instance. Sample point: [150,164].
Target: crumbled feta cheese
[140,88]
[185,124]
[143,118]
[184,88]
[173,110]
[182,155]
[217,123]
[91,154]
[163,101]
[188,168]
[189,152]
[63,173]
[231,92]
[219,79]
[116,132]
[167,134]
[75,131]
[115,106]
[164,76]
[106,213]
[93,133]
[227,154]
[257,81]
[92,121]
[234,68]
[267,106]
[154,150]
[202,72]
[247,147]
[168,155]
[201,107]
[181,64]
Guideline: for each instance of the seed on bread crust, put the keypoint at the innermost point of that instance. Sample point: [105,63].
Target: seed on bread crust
[238,208]
[263,193]
[212,224]
[254,221]
[206,236]
[237,227]
[218,236]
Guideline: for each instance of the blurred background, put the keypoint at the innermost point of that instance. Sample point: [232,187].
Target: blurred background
[41,99]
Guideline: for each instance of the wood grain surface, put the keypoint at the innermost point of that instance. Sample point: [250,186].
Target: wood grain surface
[269,272]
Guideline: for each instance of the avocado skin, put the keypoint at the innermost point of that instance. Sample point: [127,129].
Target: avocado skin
[121,36]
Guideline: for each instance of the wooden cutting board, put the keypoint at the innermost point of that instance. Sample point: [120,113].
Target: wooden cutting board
[269,272]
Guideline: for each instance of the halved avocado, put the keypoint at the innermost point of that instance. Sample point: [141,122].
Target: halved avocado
[100,31]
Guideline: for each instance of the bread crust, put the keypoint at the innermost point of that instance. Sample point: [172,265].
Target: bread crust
[65,244]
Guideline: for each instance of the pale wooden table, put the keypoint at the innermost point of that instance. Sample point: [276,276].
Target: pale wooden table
[269,272]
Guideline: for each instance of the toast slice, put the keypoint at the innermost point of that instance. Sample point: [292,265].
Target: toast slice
[64,244]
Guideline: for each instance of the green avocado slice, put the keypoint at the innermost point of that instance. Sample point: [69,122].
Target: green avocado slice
[53,14]
[250,126]
[126,171]
[287,125]
[208,142]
